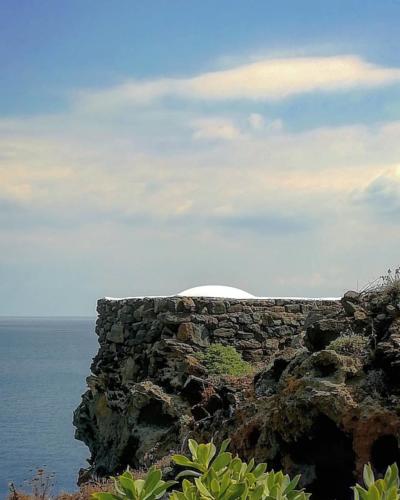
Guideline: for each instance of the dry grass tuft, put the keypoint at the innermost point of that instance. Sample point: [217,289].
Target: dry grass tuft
[41,486]
[388,284]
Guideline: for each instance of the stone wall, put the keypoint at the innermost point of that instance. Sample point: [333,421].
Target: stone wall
[144,389]
[252,326]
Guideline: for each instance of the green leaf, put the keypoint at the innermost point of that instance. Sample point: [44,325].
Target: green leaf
[203,452]
[392,494]
[373,493]
[257,493]
[185,462]
[250,465]
[203,490]
[152,479]
[259,469]
[139,483]
[186,485]
[250,478]
[235,491]
[127,485]
[392,476]
[177,495]
[224,445]
[212,450]
[182,460]
[363,494]
[222,460]
[159,491]
[292,485]
[188,473]
[236,465]
[243,470]
[215,487]
[368,475]
[225,482]
[193,448]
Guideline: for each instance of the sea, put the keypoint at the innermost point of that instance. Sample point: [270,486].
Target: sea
[43,366]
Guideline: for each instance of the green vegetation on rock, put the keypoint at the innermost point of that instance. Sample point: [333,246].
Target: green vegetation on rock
[224,360]
[349,345]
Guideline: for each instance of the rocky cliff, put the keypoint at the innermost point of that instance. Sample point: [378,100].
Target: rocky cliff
[323,400]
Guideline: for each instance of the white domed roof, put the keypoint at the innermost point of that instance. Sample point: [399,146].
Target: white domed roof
[226,292]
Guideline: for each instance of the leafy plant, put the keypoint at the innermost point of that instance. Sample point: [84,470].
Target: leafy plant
[151,487]
[224,360]
[387,488]
[224,477]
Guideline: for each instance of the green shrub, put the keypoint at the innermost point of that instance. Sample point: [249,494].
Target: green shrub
[224,477]
[349,345]
[127,487]
[220,476]
[224,360]
[387,488]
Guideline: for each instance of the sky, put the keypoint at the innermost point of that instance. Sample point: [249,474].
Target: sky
[150,147]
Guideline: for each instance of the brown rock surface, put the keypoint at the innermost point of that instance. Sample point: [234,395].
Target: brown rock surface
[325,398]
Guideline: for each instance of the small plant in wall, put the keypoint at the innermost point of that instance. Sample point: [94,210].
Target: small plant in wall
[224,360]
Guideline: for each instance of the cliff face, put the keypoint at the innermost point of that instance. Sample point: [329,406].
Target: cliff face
[143,393]
[324,400]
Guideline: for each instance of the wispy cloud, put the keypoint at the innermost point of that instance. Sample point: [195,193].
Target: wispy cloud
[382,195]
[241,175]
[266,79]
[215,129]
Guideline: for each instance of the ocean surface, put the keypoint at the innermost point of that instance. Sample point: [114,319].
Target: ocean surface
[43,366]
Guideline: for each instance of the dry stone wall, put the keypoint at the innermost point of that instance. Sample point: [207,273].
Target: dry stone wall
[252,326]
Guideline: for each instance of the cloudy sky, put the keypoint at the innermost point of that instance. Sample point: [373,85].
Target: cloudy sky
[151,146]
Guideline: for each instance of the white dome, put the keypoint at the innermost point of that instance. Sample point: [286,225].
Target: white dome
[226,292]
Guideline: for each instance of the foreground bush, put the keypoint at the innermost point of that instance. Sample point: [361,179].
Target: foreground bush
[387,488]
[220,476]
[224,360]
[213,477]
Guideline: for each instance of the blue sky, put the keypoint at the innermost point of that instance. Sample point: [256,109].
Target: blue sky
[147,147]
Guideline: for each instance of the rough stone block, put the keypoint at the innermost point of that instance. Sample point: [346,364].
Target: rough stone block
[116,334]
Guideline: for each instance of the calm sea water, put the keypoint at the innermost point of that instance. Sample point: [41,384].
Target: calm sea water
[43,366]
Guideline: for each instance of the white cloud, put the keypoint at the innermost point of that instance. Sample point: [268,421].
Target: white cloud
[256,121]
[215,129]
[266,79]
[74,168]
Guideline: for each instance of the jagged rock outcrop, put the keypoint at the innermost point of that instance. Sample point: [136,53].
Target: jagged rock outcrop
[147,386]
[324,400]
[327,410]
